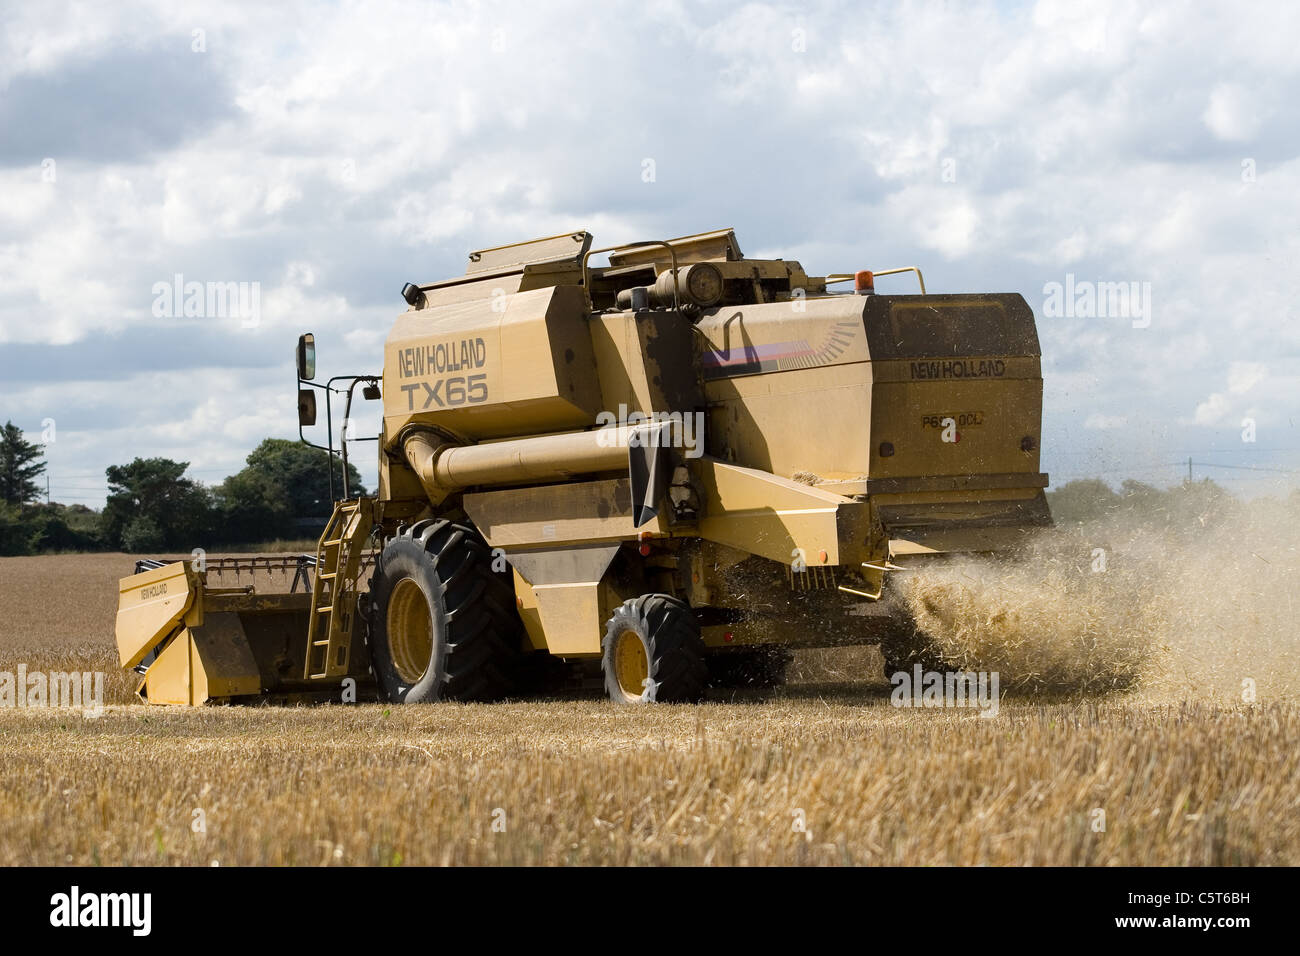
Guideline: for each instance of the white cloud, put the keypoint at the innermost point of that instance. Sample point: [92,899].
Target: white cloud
[1212,411]
[1243,376]
[1232,113]
[356,149]
[1252,392]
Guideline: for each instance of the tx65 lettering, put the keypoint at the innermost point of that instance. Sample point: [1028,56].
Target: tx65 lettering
[447,392]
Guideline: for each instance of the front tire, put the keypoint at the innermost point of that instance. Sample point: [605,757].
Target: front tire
[652,651]
[443,624]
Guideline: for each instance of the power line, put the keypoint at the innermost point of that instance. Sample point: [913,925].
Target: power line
[1092,453]
[1280,471]
[1118,471]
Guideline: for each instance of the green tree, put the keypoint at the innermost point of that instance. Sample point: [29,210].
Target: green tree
[1187,507]
[304,472]
[1200,504]
[1146,500]
[55,527]
[153,499]
[20,466]
[15,534]
[1082,500]
[253,508]
[284,483]
[142,534]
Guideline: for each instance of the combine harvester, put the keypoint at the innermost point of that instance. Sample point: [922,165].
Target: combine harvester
[662,473]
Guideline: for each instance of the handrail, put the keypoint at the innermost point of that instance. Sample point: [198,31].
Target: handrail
[846,276]
[586,273]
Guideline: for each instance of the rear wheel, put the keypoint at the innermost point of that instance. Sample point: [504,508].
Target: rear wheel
[652,651]
[443,624]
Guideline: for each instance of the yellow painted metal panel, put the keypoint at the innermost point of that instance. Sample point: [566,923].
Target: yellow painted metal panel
[559,514]
[508,364]
[170,679]
[771,516]
[150,605]
[571,618]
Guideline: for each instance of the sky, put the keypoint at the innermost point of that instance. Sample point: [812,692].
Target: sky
[326,153]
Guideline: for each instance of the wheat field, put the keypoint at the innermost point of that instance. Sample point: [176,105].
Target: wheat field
[1174,768]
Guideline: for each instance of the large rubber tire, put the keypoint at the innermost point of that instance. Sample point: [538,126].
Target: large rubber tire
[665,631]
[749,667]
[443,624]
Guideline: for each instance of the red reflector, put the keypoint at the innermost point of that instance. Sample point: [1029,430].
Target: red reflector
[727,637]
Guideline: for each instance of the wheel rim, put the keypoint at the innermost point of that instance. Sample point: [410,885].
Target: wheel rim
[631,665]
[410,630]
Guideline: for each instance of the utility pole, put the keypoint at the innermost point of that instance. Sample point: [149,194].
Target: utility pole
[1189,469]
[47,486]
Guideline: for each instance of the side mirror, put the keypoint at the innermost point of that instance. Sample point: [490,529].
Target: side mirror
[371,393]
[306,407]
[307,359]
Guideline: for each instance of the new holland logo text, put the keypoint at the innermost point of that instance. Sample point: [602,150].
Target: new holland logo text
[960,368]
[454,356]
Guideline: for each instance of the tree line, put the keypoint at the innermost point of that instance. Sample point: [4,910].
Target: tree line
[283,492]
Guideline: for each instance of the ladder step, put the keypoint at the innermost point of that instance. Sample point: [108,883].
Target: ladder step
[338,552]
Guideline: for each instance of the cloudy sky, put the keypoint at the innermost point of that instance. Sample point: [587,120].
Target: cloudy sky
[331,152]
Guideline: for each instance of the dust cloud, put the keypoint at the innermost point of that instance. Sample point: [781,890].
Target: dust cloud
[1194,606]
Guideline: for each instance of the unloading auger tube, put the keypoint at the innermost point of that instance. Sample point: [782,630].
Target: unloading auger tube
[444,467]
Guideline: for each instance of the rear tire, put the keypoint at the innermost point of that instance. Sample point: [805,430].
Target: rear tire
[652,651]
[443,624]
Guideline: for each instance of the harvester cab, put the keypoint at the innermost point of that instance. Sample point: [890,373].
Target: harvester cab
[661,472]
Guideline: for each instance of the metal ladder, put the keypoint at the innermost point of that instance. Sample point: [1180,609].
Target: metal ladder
[333,588]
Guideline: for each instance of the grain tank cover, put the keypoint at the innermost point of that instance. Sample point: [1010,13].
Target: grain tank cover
[566,247]
[493,367]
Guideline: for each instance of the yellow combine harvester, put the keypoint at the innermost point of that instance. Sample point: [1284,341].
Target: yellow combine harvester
[662,473]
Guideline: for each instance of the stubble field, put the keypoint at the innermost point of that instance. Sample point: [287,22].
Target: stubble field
[1181,766]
